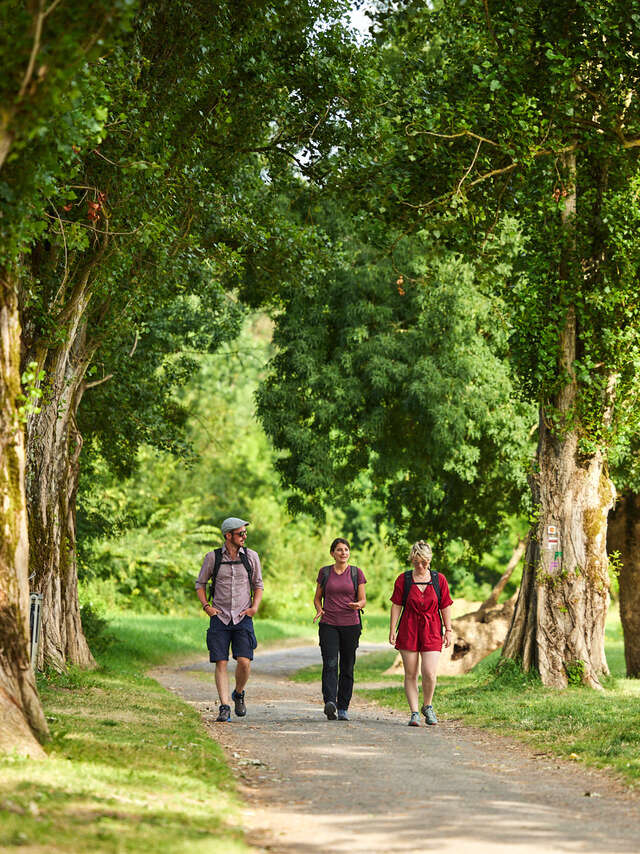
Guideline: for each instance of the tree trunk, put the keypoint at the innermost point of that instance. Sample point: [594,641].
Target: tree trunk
[623,535]
[53,448]
[558,624]
[22,720]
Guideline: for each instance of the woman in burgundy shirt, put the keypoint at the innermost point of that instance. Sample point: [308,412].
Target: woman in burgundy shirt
[337,607]
[418,637]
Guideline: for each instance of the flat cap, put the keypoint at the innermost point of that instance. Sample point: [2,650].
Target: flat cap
[232,523]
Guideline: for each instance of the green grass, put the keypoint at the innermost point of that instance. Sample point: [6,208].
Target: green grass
[600,728]
[130,767]
[144,640]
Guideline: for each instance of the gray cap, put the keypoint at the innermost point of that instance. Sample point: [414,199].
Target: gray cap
[232,523]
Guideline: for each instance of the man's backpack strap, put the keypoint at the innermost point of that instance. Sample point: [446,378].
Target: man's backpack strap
[244,557]
[217,561]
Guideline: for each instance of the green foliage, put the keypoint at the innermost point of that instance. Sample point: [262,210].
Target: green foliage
[396,388]
[30,396]
[147,535]
[95,626]
[505,115]
[575,671]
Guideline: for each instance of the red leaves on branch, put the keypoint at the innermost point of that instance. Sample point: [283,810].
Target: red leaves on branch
[94,208]
[399,284]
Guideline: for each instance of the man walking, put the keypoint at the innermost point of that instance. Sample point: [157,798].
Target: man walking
[235,574]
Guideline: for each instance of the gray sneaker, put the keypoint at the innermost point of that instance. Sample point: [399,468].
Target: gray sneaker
[429,715]
[342,715]
[414,720]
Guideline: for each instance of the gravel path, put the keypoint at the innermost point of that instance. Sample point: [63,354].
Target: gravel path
[375,785]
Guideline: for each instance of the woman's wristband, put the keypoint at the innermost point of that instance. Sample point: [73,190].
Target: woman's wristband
[204,607]
[448,628]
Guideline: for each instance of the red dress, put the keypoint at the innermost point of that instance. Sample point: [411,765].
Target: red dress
[420,627]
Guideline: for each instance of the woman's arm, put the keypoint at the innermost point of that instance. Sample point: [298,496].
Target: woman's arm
[317,601]
[448,631]
[396,610]
[362,599]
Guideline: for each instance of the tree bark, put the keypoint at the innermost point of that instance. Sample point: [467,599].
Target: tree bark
[22,720]
[623,536]
[559,619]
[53,449]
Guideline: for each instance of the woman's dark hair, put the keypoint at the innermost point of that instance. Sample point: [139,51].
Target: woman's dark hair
[337,542]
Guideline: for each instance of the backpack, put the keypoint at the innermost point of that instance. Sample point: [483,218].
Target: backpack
[406,589]
[217,562]
[354,580]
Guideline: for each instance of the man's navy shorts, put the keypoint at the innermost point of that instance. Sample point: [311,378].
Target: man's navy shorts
[240,637]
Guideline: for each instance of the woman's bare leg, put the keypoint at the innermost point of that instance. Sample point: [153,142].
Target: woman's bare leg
[429,668]
[410,661]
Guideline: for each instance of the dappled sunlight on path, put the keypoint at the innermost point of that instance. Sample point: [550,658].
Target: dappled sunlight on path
[376,785]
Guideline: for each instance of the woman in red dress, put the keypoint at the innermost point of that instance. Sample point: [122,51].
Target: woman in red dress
[417,630]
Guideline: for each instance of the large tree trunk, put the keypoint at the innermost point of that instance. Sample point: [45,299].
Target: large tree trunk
[558,624]
[623,535]
[53,449]
[21,715]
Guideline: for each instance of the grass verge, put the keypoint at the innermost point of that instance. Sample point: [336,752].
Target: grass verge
[130,768]
[600,728]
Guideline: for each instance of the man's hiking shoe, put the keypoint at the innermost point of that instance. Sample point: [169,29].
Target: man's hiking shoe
[414,720]
[330,710]
[238,699]
[224,714]
[342,715]
[429,715]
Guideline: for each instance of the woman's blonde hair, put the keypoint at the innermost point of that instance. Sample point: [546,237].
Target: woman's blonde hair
[421,550]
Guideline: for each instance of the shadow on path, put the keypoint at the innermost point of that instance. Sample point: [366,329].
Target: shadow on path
[376,785]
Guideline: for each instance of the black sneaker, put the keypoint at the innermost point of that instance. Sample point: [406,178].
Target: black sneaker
[224,714]
[330,710]
[238,699]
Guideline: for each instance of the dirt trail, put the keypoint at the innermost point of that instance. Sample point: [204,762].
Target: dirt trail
[375,785]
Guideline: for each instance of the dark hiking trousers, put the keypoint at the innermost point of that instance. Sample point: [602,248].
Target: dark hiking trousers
[338,645]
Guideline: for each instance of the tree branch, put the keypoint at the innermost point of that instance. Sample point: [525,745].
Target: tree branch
[95,383]
[35,49]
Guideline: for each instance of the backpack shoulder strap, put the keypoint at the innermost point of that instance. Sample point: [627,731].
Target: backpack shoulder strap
[244,557]
[325,576]
[435,580]
[354,579]
[217,560]
[408,581]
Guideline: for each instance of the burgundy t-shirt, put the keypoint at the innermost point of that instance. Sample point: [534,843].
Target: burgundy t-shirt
[337,595]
